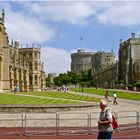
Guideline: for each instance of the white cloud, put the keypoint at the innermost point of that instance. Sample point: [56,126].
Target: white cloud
[25,27]
[70,12]
[55,60]
[121,14]
[115,13]
[30,24]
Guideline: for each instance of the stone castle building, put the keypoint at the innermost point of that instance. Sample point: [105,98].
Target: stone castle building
[101,60]
[122,73]
[129,60]
[102,64]
[19,66]
[104,69]
[81,61]
[106,72]
[106,78]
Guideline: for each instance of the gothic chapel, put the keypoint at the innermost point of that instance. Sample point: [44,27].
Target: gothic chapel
[19,66]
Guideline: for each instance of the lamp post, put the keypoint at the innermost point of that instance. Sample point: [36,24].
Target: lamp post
[96,82]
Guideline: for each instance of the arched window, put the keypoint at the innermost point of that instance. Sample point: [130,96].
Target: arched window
[36,65]
[30,80]
[30,55]
[30,66]
[35,78]
[35,54]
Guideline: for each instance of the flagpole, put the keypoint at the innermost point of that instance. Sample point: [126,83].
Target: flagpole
[81,39]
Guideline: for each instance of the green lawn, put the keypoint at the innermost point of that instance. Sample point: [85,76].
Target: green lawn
[15,99]
[63,95]
[125,95]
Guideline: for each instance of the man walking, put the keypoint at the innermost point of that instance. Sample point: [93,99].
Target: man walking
[105,122]
[106,94]
[115,99]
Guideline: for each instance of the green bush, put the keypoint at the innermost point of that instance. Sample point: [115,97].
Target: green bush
[130,86]
[84,84]
[137,84]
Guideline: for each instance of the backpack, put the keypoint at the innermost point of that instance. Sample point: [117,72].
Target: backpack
[114,122]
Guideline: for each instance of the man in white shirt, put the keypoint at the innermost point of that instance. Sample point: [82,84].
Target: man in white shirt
[115,98]
[105,122]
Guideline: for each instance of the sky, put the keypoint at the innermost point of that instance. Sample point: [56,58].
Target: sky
[58,26]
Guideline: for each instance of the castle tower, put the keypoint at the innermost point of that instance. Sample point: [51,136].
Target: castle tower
[81,60]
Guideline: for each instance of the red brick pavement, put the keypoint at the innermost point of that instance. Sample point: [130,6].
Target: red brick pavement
[16,133]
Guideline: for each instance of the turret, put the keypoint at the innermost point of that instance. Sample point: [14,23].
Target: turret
[133,35]
[16,44]
[3,15]
[12,43]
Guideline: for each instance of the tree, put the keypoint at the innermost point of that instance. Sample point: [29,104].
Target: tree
[74,78]
[48,82]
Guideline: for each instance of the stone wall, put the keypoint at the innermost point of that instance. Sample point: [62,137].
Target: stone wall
[42,108]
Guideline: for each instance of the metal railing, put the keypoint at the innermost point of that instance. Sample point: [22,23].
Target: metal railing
[41,123]
[127,120]
[12,120]
[70,123]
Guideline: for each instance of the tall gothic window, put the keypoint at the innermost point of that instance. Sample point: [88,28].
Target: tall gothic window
[24,55]
[0,67]
[137,67]
[30,55]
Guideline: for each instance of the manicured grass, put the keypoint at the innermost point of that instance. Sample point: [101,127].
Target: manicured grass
[63,95]
[15,99]
[125,95]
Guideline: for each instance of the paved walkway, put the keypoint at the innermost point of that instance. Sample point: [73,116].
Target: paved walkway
[123,104]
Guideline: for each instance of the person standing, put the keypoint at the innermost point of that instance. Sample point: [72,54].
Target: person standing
[115,98]
[105,122]
[15,89]
[106,94]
